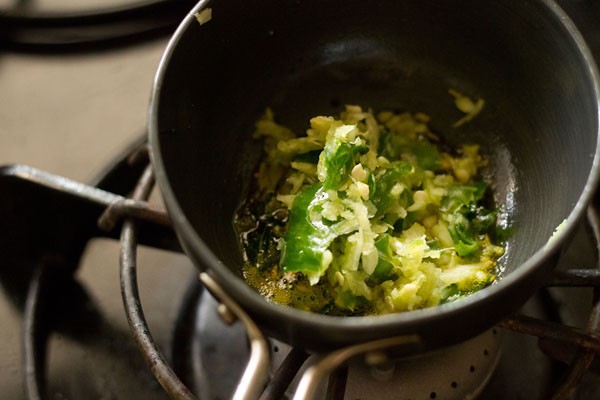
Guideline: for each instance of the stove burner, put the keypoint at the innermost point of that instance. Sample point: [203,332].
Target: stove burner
[454,373]
[25,27]
[215,353]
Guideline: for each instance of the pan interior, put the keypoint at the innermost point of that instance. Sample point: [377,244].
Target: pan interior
[305,58]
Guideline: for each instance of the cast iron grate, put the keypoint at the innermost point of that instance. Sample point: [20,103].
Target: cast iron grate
[575,347]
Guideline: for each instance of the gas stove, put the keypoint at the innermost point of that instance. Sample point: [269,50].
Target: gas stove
[77,108]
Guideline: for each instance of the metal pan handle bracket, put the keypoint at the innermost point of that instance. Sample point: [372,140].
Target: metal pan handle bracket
[257,370]
[373,352]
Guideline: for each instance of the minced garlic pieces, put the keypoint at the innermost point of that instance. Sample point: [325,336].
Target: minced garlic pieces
[466,105]
[204,16]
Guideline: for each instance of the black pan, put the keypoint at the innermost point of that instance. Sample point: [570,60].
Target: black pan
[307,57]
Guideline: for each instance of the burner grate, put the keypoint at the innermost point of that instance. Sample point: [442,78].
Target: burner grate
[576,347]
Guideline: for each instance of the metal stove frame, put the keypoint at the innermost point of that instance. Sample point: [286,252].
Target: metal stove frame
[149,224]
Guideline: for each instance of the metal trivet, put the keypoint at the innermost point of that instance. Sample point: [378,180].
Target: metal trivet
[576,347]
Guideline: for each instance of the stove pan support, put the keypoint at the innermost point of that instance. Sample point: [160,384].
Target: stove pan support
[256,373]
[92,200]
[50,219]
[131,301]
[575,347]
